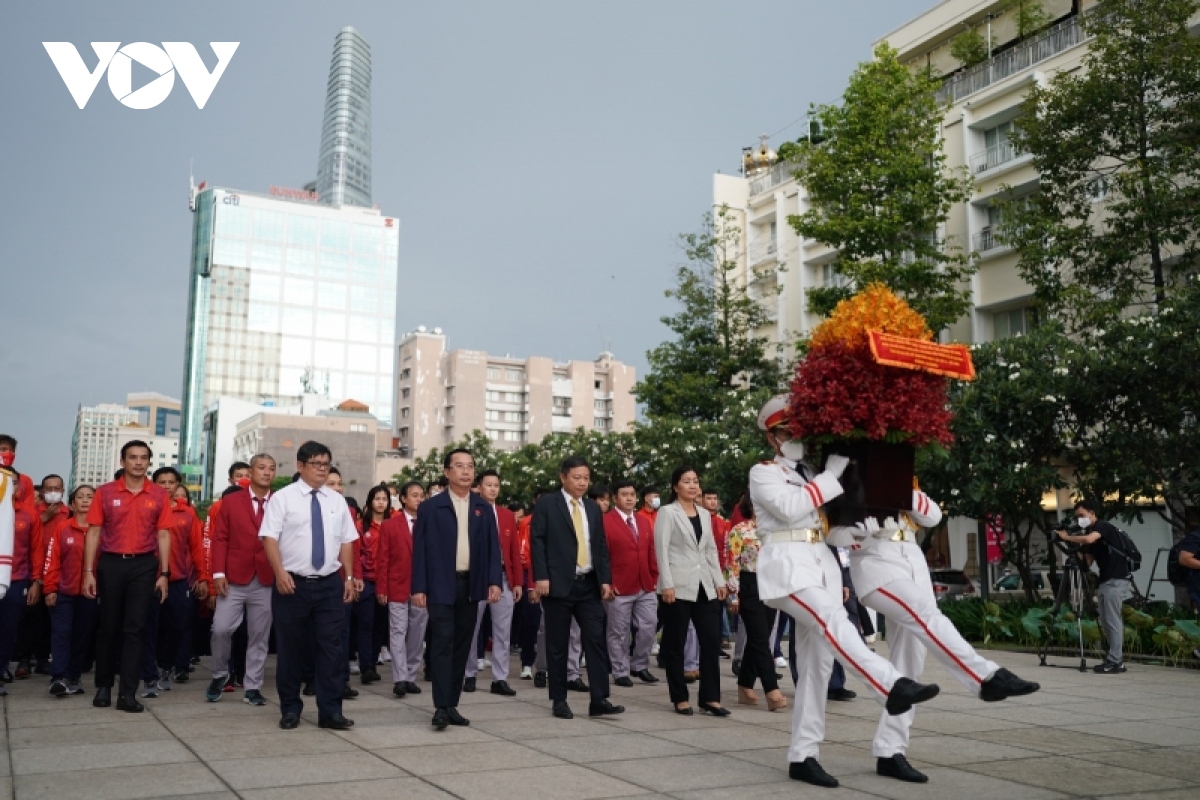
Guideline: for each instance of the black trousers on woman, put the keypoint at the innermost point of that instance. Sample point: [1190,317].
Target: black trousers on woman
[759,620]
[705,615]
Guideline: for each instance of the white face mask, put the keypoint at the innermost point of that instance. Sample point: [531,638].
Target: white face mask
[395,501]
[52,497]
[792,449]
[655,503]
[1083,521]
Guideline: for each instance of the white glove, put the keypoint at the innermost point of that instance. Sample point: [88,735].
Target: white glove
[869,525]
[891,524]
[836,465]
[843,536]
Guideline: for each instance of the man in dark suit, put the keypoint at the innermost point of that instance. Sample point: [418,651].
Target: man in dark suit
[573,579]
[455,565]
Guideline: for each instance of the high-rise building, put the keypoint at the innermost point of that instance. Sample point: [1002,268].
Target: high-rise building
[95,441]
[444,395]
[287,297]
[344,163]
[156,412]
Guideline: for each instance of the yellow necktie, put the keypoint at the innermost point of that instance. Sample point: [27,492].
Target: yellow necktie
[581,557]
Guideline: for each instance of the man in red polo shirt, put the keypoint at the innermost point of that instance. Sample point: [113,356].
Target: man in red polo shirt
[128,542]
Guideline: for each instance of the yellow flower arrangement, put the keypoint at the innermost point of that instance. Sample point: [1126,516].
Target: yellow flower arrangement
[874,308]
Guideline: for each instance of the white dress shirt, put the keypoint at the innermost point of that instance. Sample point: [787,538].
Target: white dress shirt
[587,534]
[288,519]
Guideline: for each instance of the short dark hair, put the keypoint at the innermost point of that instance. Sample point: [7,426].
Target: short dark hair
[167,470]
[235,466]
[120,473]
[334,470]
[624,483]
[677,475]
[442,482]
[540,492]
[450,456]
[77,489]
[514,507]
[310,450]
[404,489]
[52,475]
[707,490]
[132,443]
[8,440]
[487,473]
[746,506]
[1087,504]
[573,462]
[649,489]
[597,491]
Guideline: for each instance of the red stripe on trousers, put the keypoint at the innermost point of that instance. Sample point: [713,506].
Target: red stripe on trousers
[929,633]
[838,647]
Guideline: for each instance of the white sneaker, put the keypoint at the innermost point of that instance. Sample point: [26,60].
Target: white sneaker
[654,649]
[385,656]
[354,670]
[526,673]
[481,665]
[781,662]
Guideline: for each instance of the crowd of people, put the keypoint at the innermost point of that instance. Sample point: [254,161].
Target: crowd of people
[427,580]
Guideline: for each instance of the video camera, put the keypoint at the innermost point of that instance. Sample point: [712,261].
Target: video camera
[1071,529]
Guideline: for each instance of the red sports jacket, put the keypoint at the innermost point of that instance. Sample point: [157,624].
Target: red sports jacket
[393,559]
[236,549]
[720,530]
[510,546]
[634,564]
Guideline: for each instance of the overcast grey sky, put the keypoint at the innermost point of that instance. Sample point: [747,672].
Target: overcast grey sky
[542,158]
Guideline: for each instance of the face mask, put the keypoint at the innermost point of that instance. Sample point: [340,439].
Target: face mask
[395,503]
[792,449]
[52,497]
[1083,521]
[7,458]
[243,482]
[180,502]
[655,503]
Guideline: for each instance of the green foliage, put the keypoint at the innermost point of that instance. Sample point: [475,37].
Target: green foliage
[879,190]
[969,48]
[1124,130]
[717,347]
[1031,16]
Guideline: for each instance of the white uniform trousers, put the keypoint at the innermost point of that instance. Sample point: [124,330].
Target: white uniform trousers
[824,631]
[574,650]
[915,624]
[642,610]
[502,615]
[253,601]
[406,637]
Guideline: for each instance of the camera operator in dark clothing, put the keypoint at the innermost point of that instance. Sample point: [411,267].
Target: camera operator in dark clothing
[1103,545]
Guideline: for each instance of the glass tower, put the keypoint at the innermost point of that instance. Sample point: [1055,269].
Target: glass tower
[344,163]
[287,296]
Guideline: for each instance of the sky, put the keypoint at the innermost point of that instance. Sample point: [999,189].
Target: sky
[543,157]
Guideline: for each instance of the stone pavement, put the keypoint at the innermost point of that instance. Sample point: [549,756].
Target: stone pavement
[1132,735]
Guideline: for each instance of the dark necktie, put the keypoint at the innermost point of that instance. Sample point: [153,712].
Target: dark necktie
[258,511]
[318,533]
[633,528]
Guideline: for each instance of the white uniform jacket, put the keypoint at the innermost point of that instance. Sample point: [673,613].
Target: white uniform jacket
[876,560]
[784,499]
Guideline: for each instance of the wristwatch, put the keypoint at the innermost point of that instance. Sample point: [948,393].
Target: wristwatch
[166,575]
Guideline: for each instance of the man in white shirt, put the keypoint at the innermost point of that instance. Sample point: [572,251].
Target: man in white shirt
[307,532]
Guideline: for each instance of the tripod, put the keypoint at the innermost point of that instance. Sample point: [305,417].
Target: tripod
[1072,590]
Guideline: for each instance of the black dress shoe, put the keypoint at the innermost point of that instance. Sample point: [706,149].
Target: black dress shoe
[716,711]
[604,708]
[624,681]
[129,704]
[103,698]
[686,711]
[440,719]
[457,718]
[906,693]
[539,679]
[842,695]
[469,685]
[309,690]
[562,710]
[349,692]
[411,688]
[809,770]
[736,666]
[289,722]
[1003,684]
[898,767]
[398,689]
[502,687]
[578,685]
[645,676]
[369,677]
[336,723]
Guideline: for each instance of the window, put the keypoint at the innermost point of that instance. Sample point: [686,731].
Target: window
[358,427]
[302,231]
[597,384]
[404,412]
[335,235]
[514,436]
[493,435]
[600,424]
[268,225]
[1013,322]
[266,256]
[492,415]
[493,373]
[600,405]
[562,406]
[299,261]
[404,393]
[514,375]
[830,277]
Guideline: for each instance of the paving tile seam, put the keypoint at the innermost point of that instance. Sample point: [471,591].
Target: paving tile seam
[1185,784]
[195,755]
[12,779]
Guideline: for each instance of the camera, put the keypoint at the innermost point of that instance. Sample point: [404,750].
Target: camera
[1071,529]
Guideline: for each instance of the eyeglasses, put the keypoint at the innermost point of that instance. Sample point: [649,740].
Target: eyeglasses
[318,464]
[461,465]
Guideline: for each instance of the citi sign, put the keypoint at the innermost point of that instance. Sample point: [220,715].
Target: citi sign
[118,61]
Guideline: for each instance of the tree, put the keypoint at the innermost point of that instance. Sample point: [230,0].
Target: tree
[717,346]
[1116,218]
[969,48]
[1031,16]
[879,192]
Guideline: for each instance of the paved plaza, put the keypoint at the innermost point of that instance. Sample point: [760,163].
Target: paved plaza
[1083,735]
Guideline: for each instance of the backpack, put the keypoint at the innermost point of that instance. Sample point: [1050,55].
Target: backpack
[1178,574]
[1129,550]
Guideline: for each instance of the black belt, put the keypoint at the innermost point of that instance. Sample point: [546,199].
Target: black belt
[311,578]
[463,575]
[584,575]
[130,555]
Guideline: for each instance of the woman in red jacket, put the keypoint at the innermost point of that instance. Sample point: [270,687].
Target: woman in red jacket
[360,615]
[72,615]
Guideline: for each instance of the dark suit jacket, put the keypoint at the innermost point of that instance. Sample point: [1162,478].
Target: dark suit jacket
[554,548]
[435,546]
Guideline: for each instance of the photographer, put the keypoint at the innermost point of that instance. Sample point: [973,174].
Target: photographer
[1102,544]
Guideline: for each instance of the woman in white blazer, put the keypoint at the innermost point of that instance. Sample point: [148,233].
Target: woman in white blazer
[691,590]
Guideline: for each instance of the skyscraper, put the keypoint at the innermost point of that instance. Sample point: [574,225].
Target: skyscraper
[344,163]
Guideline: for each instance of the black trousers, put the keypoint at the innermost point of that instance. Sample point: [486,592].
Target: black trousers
[33,634]
[74,624]
[705,615]
[314,614]
[126,590]
[758,618]
[583,605]
[531,619]
[451,636]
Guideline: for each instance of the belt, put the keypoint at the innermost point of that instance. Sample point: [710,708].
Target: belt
[806,535]
[583,575]
[311,578]
[463,575]
[130,555]
[901,535]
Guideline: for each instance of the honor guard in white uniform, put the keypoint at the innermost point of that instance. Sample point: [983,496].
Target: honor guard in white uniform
[798,575]
[892,577]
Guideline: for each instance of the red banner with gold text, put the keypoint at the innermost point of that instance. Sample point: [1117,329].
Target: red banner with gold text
[950,360]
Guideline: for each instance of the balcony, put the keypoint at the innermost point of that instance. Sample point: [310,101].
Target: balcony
[1024,55]
[994,156]
[987,239]
[780,173]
